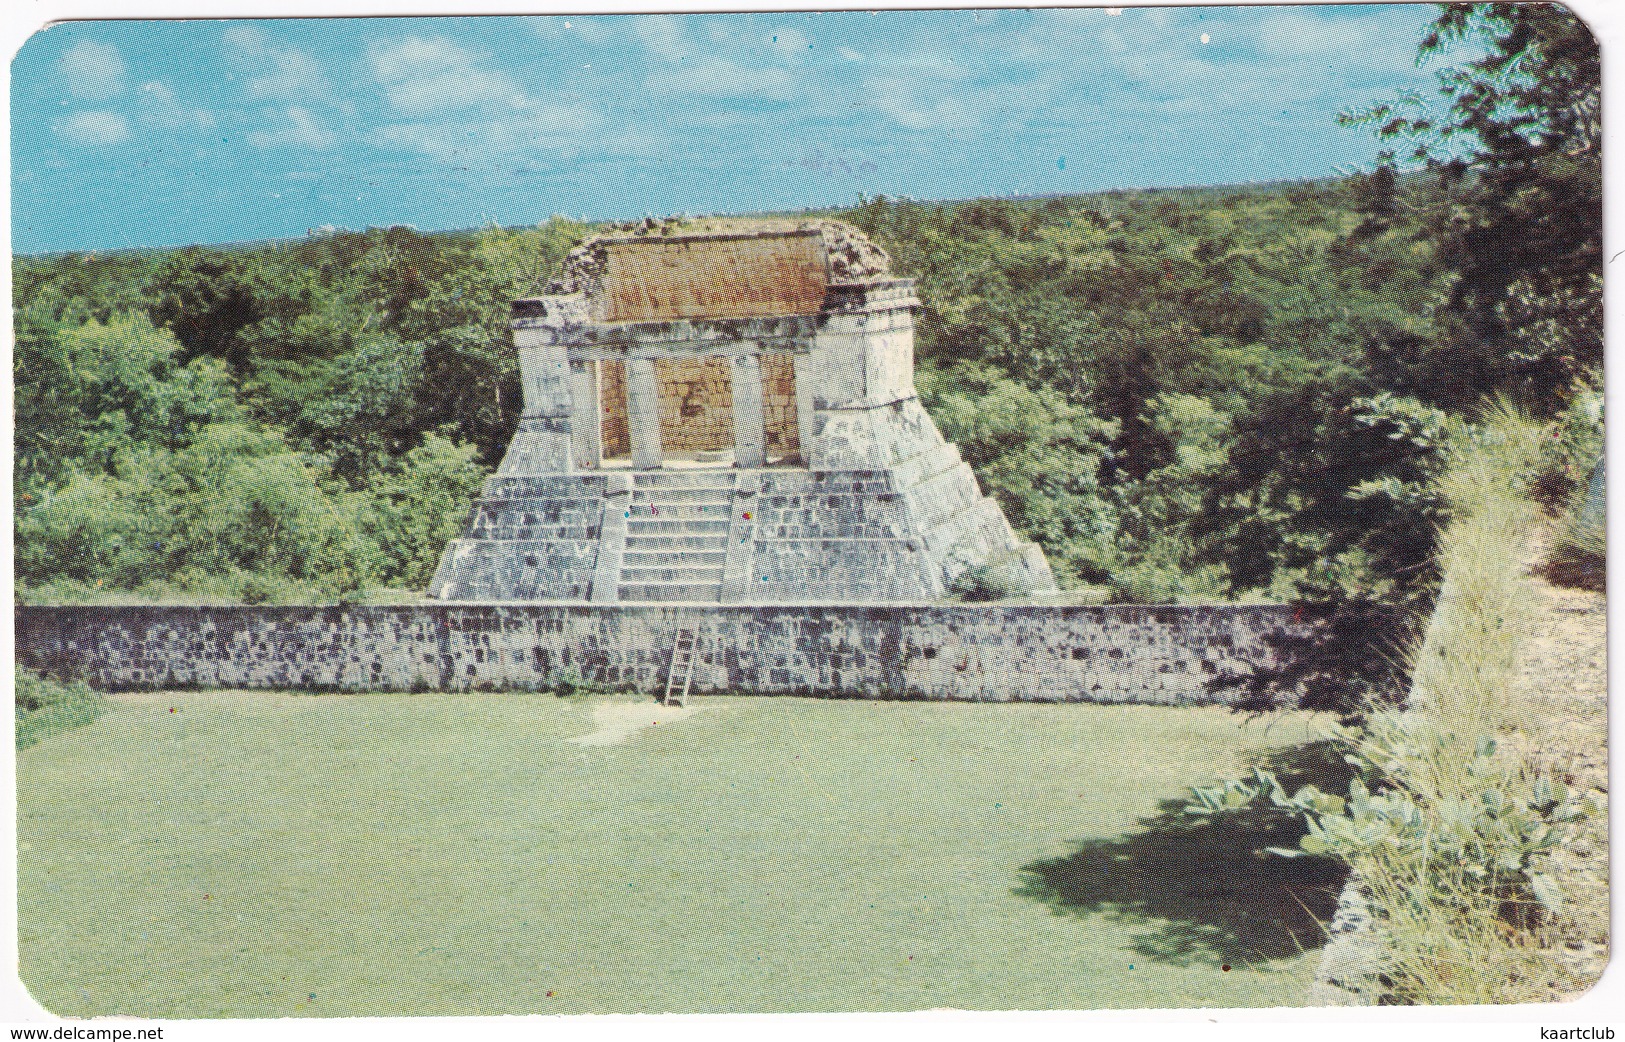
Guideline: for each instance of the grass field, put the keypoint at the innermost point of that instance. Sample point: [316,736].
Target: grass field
[233,854]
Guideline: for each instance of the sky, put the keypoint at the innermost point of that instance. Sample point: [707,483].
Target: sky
[163,133]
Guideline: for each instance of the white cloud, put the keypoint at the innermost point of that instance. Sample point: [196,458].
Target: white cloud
[577,29]
[421,76]
[245,37]
[591,30]
[301,130]
[160,107]
[721,78]
[94,70]
[293,74]
[535,132]
[1293,36]
[663,36]
[94,128]
[686,66]
[273,71]
[789,40]
[914,103]
[459,112]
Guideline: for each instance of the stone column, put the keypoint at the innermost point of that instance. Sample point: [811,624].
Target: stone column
[643,413]
[806,375]
[750,437]
[586,414]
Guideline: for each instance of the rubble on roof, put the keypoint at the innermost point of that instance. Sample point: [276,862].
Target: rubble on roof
[853,256]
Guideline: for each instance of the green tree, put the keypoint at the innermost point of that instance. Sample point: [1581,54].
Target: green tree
[234,502]
[89,391]
[421,505]
[1521,238]
[207,299]
[359,410]
[1038,455]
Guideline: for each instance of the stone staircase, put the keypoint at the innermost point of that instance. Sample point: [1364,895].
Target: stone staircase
[677,536]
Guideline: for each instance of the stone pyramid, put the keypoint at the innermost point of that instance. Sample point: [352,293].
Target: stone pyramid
[726,413]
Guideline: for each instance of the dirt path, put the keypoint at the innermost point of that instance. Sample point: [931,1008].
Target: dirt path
[1564,681]
[618,721]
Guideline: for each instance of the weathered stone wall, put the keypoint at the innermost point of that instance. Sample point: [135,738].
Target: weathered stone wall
[474,569]
[842,571]
[713,276]
[800,504]
[1161,655]
[696,403]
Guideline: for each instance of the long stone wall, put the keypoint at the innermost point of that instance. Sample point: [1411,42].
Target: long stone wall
[1166,655]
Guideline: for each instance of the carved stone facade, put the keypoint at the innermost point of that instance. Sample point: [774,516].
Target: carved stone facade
[713,417]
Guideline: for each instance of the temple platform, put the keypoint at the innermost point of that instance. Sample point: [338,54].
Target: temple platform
[710,419]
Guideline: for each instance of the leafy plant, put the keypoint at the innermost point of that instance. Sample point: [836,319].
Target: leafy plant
[1491,831]
[43,706]
[569,683]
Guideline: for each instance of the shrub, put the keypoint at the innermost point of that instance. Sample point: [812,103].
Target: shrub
[990,582]
[1486,834]
[44,706]
[568,683]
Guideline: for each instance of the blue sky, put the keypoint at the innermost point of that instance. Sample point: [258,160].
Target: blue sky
[159,133]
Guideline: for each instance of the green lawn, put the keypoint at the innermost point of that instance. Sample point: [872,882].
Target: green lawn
[204,855]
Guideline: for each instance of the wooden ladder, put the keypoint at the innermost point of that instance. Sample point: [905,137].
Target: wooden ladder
[681,673]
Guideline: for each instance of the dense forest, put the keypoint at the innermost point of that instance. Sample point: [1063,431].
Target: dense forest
[1210,393]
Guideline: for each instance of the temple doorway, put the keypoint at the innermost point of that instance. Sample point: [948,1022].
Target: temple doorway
[698,411]
[696,408]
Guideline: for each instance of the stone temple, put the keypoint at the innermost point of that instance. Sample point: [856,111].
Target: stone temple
[726,413]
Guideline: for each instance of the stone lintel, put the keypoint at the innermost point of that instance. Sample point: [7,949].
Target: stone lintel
[560,320]
[575,334]
[693,349]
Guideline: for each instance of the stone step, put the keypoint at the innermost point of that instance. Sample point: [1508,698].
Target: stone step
[676,526]
[677,479]
[503,533]
[671,592]
[556,487]
[683,495]
[714,511]
[529,502]
[663,558]
[681,575]
[671,544]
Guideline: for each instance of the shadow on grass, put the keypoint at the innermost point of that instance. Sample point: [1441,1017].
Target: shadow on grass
[1205,887]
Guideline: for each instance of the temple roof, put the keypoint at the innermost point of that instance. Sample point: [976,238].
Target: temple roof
[716,268]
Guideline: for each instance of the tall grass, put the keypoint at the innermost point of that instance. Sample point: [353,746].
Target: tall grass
[1579,553]
[1456,933]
